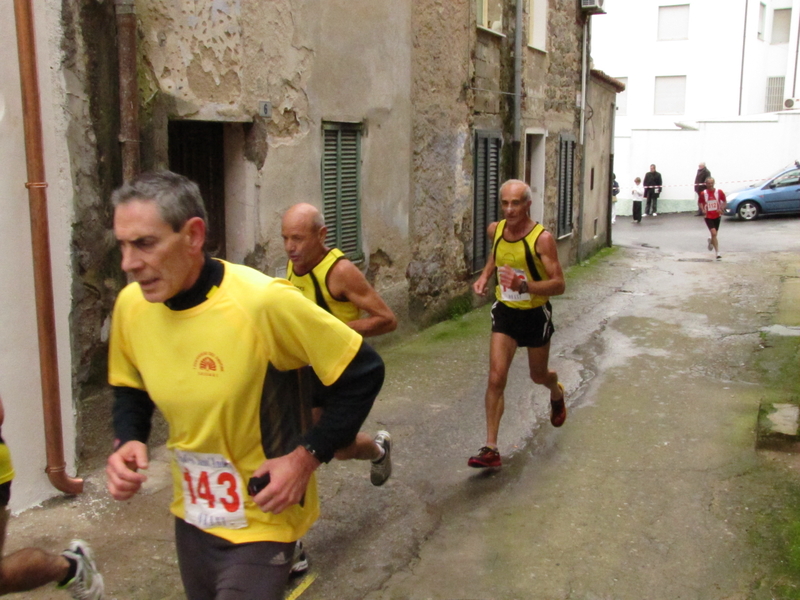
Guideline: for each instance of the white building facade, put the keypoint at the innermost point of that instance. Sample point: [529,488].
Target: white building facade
[706,81]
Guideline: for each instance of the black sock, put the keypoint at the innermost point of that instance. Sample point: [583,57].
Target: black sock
[73,570]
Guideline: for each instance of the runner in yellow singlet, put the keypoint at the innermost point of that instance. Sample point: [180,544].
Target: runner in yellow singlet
[528,274]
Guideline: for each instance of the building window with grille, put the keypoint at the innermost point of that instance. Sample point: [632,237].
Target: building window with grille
[341,187]
[566,176]
[774,95]
[487,188]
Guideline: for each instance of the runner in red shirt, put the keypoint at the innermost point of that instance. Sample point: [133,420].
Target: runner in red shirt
[712,203]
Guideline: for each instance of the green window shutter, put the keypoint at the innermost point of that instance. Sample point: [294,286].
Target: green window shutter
[486,189]
[341,187]
[566,173]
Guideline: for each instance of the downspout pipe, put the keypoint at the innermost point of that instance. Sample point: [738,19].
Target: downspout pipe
[518,169]
[584,86]
[128,88]
[40,237]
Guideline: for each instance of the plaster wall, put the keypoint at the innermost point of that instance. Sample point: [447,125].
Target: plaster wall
[215,60]
[20,385]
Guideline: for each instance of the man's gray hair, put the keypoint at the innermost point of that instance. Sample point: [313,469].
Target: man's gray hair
[527,195]
[177,197]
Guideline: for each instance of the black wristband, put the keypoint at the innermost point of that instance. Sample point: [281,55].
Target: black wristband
[523,287]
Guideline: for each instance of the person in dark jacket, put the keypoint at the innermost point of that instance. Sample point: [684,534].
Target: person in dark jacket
[700,184]
[652,189]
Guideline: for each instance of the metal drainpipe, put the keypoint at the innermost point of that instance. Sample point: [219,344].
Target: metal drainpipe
[42,275]
[518,92]
[128,88]
[584,91]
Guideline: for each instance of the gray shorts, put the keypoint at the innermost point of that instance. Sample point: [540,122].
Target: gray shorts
[216,569]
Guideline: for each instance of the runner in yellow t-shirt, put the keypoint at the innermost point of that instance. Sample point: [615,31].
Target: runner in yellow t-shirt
[214,346]
[74,569]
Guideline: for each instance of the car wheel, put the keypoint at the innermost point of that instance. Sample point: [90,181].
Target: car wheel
[748,210]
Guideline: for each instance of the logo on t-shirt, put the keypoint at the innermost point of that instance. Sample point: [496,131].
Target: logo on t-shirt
[208,364]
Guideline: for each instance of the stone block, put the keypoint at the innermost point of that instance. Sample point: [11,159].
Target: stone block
[777,427]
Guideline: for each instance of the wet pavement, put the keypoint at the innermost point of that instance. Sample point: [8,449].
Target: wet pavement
[652,489]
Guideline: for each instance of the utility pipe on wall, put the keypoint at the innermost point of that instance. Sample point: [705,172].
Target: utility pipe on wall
[518,169]
[128,88]
[40,238]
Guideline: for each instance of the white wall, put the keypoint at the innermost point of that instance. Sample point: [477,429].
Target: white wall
[20,386]
[625,44]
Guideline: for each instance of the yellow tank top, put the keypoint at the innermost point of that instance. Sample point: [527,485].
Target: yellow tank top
[520,256]
[314,286]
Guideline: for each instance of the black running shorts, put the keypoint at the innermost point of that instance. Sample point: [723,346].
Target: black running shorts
[5,493]
[713,223]
[530,328]
[216,569]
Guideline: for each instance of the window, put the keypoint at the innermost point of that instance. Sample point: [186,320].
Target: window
[670,95]
[787,179]
[487,187]
[341,187]
[673,22]
[774,96]
[622,98]
[490,14]
[566,174]
[762,18]
[537,24]
[781,25]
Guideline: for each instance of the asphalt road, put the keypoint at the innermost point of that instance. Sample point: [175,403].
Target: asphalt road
[652,488]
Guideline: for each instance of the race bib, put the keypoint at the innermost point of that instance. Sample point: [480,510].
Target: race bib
[212,491]
[510,295]
[712,205]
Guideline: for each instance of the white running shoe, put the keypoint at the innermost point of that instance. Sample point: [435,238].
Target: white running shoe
[382,468]
[87,583]
[299,561]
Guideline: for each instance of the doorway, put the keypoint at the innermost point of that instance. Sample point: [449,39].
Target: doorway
[534,171]
[197,151]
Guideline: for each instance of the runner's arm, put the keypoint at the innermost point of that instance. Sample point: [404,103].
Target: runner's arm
[548,253]
[346,280]
[480,285]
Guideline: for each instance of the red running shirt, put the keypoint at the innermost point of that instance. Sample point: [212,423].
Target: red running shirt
[711,200]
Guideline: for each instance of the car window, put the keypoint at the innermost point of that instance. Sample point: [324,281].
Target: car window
[790,178]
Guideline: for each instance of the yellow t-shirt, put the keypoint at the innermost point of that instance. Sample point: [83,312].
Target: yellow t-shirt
[344,311]
[520,256]
[205,368]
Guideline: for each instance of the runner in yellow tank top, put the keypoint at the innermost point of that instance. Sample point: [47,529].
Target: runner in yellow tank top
[528,273]
[334,283]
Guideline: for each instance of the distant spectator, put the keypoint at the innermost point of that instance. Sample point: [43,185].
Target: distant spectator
[614,194]
[637,193]
[652,189]
[700,184]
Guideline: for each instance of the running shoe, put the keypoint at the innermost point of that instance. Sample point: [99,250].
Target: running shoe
[710,245]
[299,561]
[382,468]
[486,457]
[87,584]
[719,256]
[558,409]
